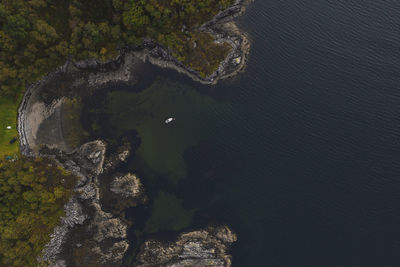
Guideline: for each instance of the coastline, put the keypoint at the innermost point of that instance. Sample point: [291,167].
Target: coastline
[42,104]
[224,29]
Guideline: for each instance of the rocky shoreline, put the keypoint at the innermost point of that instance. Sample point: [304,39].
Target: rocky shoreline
[206,247]
[88,235]
[224,30]
[221,27]
[102,236]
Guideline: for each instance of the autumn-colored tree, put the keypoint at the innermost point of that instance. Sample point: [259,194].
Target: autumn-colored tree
[32,196]
[36,36]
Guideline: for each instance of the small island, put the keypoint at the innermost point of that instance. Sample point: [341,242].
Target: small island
[55,54]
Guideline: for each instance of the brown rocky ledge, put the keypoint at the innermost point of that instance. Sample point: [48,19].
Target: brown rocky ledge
[207,247]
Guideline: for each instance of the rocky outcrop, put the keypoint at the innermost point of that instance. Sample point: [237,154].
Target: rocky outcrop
[73,216]
[121,155]
[208,247]
[87,233]
[104,241]
[91,156]
[224,30]
[128,186]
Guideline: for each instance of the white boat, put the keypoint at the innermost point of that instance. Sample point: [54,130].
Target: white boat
[169,120]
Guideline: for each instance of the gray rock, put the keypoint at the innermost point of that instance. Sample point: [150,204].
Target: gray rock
[121,155]
[87,192]
[92,156]
[101,227]
[208,247]
[128,185]
[73,216]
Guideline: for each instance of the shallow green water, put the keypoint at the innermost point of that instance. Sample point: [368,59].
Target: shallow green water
[163,145]
[168,214]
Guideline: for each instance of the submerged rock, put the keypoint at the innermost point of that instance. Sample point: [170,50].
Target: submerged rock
[208,247]
[120,155]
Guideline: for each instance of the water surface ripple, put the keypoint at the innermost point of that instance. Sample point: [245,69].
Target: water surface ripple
[299,154]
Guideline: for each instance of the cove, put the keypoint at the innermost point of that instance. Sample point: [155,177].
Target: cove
[298,154]
[161,154]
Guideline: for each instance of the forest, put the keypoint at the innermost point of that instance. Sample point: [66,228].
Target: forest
[38,35]
[32,195]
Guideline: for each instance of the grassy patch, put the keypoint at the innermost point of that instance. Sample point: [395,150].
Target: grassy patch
[8,117]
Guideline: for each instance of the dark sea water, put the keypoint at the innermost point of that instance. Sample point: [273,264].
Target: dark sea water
[300,154]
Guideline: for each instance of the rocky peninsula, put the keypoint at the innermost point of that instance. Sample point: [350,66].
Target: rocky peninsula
[224,30]
[88,234]
[208,247]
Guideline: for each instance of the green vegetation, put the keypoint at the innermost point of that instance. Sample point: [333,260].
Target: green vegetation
[175,24]
[8,115]
[32,195]
[37,35]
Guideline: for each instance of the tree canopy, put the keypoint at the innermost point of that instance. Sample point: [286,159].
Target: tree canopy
[32,196]
[37,35]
